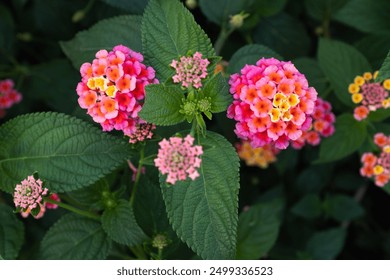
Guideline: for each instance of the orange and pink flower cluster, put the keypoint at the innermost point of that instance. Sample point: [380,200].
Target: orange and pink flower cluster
[378,166]
[369,94]
[112,88]
[322,126]
[272,103]
[261,156]
[8,96]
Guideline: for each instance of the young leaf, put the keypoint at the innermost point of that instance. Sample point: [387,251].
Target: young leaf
[66,152]
[258,229]
[384,71]
[11,233]
[168,32]
[217,89]
[309,207]
[349,135]
[203,212]
[326,245]
[75,238]
[341,63]
[105,34]
[343,208]
[250,54]
[120,224]
[162,105]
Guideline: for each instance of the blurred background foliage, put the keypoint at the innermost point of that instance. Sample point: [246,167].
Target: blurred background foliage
[297,208]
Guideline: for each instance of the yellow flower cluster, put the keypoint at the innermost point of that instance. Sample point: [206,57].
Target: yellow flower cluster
[260,157]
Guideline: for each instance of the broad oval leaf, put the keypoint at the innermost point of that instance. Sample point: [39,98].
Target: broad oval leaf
[66,152]
[203,212]
[250,54]
[327,244]
[162,105]
[168,32]
[349,136]
[341,63]
[343,208]
[375,47]
[258,229]
[131,6]
[308,207]
[105,34]
[75,238]
[120,224]
[217,89]
[11,233]
[321,9]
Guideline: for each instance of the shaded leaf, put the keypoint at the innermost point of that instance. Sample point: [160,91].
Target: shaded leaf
[308,207]
[217,88]
[327,244]
[343,208]
[11,233]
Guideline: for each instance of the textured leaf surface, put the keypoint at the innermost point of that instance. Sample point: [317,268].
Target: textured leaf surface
[250,54]
[105,34]
[168,32]
[341,63]
[258,229]
[326,245]
[203,212]
[217,89]
[343,208]
[384,71]
[66,152]
[349,136]
[120,224]
[11,233]
[162,105]
[75,238]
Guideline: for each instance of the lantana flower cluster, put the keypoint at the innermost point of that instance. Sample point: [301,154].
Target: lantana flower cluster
[261,156]
[272,103]
[8,95]
[378,166]
[322,125]
[369,94]
[179,158]
[190,70]
[112,88]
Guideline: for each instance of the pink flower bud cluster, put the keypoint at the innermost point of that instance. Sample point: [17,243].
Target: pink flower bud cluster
[190,70]
[8,95]
[43,207]
[322,126]
[112,88]
[179,158]
[143,131]
[29,193]
[378,166]
[272,103]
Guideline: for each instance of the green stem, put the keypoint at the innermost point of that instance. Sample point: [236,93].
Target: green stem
[73,209]
[222,37]
[89,6]
[138,175]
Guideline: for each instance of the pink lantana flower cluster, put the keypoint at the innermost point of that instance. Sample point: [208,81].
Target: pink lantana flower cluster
[272,103]
[190,70]
[143,131]
[368,94]
[378,166]
[8,95]
[29,194]
[179,158]
[112,88]
[43,207]
[322,126]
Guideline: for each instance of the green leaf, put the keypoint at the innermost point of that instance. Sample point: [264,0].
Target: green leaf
[120,224]
[219,11]
[258,229]
[341,63]
[168,32]
[364,16]
[379,115]
[91,196]
[203,212]
[343,208]
[66,152]
[250,54]
[75,238]
[132,6]
[286,34]
[105,34]
[311,69]
[308,207]
[375,47]
[349,136]
[313,179]
[217,88]
[384,71]
[11,233]
[323,9]
[162,105]
[326,245]
[268,8]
